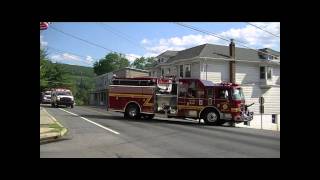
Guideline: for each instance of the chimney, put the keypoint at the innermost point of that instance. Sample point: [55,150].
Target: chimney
[232,62]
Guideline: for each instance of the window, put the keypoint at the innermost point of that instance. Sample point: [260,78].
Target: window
[269,73]
[66,93]
[168,71]
[162,71]
[237,94]
[183,90]
[274,119]
[187,70]
[262,72]
[181,70]
[210,93]
[149,73]
[223,94]
[269,57]
[200,93]
[265,71]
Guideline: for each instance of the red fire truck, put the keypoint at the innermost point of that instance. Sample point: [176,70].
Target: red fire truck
[146,97]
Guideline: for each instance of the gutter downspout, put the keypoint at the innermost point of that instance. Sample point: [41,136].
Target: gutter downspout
[206,68]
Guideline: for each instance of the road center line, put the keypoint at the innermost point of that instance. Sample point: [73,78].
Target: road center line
[108,129]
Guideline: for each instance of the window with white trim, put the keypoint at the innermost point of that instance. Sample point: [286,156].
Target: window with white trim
[262,72]
[274,120]
[269,72]
[269,57]
[187,70]
[265,71]
[181,70]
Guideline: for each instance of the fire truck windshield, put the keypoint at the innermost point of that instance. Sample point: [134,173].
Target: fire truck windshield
[237,94]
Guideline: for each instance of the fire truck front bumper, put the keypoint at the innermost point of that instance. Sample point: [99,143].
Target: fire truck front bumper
[243,117]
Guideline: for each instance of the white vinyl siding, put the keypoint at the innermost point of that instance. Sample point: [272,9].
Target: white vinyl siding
[216,72]
[252,94]
[195,70]
[272,101]
[247,73]
[271,98]
[276,75]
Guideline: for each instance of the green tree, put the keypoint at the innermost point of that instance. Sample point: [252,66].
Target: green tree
[44,66]
[151,61]
[143,63]
[139,63]
[109,63]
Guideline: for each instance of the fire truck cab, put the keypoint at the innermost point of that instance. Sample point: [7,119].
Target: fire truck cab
[182,98]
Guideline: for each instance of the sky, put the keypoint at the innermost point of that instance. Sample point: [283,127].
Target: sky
[136,39]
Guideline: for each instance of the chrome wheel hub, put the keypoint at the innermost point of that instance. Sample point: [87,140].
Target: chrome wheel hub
[212,117]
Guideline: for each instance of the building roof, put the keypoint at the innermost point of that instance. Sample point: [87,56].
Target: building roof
[133,69]
[126,68]
[168,53]
[218,51]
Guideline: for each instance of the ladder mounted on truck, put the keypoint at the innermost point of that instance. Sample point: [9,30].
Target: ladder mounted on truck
[134,82]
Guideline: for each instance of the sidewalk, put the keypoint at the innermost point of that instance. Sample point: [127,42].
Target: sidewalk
[50,128]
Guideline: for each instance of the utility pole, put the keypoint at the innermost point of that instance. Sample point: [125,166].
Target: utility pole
[261,102]
[81,85]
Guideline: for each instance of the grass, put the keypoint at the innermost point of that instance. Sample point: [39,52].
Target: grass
[56,127]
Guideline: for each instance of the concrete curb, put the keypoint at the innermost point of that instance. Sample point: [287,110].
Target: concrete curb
[52,136]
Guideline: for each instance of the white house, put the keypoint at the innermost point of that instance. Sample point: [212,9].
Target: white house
[257,72]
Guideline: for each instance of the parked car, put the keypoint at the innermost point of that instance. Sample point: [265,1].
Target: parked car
[46,98]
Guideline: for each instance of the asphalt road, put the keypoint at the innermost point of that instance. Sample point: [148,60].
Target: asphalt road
[94,132]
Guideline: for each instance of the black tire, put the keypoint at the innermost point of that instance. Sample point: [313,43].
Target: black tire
[71,105]
[52,105]
[132,112]
[211,117]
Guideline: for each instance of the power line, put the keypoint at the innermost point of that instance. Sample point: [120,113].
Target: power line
[263,29]
[62,51]
[203,31]
[80,60]
[215,35]
[208,32]
[88,42]
[122,35]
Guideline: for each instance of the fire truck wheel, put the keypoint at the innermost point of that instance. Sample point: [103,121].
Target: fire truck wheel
[211,117]
[132,111]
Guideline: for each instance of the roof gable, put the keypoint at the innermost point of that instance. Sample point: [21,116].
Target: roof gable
[219,51]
